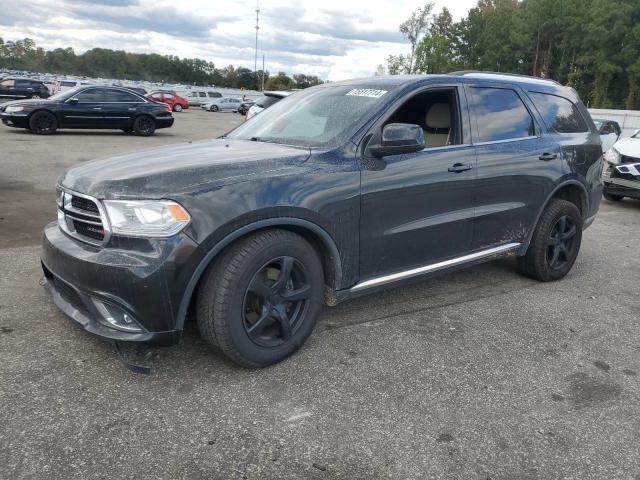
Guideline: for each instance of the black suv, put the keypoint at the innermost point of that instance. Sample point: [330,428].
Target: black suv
[336,191]
[23,88]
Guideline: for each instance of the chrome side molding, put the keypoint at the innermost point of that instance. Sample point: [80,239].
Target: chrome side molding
[394,277]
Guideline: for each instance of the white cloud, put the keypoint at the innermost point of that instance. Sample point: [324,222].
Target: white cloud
[333,38]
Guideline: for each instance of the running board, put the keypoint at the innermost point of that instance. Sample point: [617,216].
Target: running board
[394,277]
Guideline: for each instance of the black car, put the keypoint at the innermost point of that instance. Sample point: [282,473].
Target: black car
[339,190]
[23,88]
[88,107]
[245,106]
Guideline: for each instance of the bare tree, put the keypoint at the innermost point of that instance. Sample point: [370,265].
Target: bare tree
[414,26]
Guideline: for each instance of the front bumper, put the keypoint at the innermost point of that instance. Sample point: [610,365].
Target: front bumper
[145,279]
[14,120]
[624,187]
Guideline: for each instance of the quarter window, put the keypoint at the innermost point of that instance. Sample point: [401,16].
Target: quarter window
[8,83]
[500,114]
[559,114]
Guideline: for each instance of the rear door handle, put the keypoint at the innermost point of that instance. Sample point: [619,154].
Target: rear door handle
[460,167]
[548,156]
[97,108]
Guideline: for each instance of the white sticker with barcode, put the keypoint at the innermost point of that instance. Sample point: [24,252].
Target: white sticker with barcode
[366,92]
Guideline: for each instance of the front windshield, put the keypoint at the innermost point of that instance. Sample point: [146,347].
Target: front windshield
[66,94]
[316,117]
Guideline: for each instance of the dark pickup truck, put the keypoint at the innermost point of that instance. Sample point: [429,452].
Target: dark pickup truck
[336,191]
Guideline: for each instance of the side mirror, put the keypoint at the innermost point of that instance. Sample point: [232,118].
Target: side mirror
[72,101]
[399,138]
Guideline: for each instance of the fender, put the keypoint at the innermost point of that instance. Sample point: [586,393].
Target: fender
[269,222]
[572,181]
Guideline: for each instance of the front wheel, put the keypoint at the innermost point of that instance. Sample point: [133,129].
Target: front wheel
[177,108]
[555,243]
[144,126]
[214,108]
[259,302]
[43,123]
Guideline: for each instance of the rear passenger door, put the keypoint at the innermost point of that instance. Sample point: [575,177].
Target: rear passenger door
[517,165]
[120,108]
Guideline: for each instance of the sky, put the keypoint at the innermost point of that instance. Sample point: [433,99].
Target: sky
[334,39]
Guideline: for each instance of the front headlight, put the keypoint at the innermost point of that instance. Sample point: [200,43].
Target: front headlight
[612,156]
[146,218]
[13,109]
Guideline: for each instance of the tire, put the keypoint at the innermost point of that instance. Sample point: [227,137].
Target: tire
[241,304]
[612,198]
[35,96]
[177,108]
[214,108]
[43,123]
[144,125]
[555,243]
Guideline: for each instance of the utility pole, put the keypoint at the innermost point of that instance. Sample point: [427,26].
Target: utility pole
[255,62]
[262,89]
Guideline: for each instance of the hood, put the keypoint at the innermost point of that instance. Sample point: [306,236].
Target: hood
[182,168]
[31,101]
[629,147]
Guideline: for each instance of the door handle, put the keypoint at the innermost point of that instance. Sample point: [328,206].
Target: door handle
[459,167]
[97,108]
[545,157]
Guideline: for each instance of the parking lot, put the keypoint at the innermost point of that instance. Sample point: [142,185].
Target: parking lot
[478,374]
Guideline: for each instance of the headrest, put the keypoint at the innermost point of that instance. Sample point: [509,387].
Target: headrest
[438,116]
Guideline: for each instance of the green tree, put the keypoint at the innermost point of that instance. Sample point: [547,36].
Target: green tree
[280,82]
[414,27]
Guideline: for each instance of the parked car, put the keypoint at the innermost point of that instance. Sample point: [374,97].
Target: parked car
[222,104]
[245,106]
[610,132]
[340,190]
[88,107]
[138,90]
[175,101]
[621,175]
[198,97]
[23,88]
[64,85]
[267,99]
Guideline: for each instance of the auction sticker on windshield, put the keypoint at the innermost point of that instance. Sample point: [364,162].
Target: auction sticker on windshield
[366,92]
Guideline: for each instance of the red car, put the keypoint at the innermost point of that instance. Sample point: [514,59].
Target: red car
[175,101]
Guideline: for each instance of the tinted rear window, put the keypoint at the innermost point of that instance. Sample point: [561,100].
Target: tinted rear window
[121,96]
[266,101]
[500,114]
[558,113]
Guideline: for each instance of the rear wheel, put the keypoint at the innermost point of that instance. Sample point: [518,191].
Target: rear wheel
[555,243]
[177,107]
[612,198]
[35,95]
[214,108]
[43,123]
[259,302]
[144,126]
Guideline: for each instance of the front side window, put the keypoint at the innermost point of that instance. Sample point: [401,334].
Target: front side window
[202,94]
[560,115]
[120,96]
[8,83]
[500,114]
[90,95]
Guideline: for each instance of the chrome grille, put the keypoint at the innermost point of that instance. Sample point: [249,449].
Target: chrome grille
[82,217]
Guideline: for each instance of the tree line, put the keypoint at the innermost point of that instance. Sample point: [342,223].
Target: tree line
[102,62]
[590,45]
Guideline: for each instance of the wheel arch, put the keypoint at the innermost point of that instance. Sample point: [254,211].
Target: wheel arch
[317,236]
[571,190]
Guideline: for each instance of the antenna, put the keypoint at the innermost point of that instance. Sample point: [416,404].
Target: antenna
[255,62]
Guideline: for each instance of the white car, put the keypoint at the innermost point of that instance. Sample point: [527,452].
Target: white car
[621,175]
[610,132]
[222,104]
[265,101]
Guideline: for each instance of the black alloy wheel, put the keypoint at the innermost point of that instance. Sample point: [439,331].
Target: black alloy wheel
[144,126]
[43,123]
[275,301]
[561,243]
[214,108]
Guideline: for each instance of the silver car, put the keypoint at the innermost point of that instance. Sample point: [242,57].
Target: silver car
[222,104]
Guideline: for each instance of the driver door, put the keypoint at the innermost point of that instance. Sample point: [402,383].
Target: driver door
[417,209]
[84,109]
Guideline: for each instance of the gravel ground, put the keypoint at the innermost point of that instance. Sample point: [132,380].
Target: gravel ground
[474,375]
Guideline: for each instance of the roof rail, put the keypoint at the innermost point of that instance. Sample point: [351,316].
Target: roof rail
[503,74]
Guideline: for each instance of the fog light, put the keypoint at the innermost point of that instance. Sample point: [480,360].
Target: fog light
[113,317]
